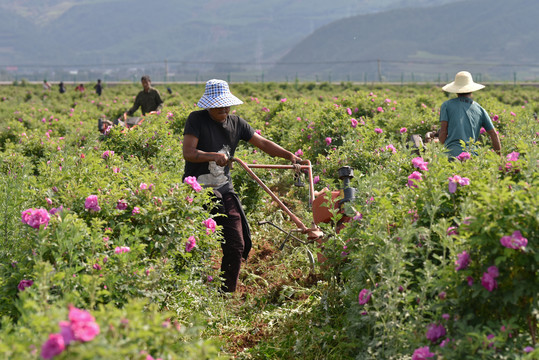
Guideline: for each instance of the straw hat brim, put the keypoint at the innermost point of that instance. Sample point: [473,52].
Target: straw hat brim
[458,89]
[207,102]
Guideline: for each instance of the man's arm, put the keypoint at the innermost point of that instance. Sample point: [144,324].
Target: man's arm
[194,155]
[442,136]
[272,149]
[134,108]
[495,140]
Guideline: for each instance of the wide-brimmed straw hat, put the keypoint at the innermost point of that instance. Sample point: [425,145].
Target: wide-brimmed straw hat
[463,84]
[217,94]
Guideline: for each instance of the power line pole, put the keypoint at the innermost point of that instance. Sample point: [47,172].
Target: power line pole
[379,70]
[166,70]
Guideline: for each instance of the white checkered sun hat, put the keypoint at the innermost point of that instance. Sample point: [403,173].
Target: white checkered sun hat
[217,94]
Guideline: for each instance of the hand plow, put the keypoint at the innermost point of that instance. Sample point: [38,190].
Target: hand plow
[318,201]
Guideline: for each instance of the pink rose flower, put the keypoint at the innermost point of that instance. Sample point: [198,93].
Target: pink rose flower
[414,178]
[190,244]
[488,282]
[53,346]
[515,241]
[35,217]
[66,332]
[122,249]
[403,130]
[83,324]
[299,152]
[107,154]
[191,180]
[328,141]
[463,260]
[420,164]
[513,156]
[91,203]
[378,130]
[121,205]
[464,156]
[364,296]
[391,148]
[23,284]
[354,122]
[135,211]
[422,354]
[210,225]
[434,332]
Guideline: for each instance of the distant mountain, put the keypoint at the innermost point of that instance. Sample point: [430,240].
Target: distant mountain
[223,34]
[487,36]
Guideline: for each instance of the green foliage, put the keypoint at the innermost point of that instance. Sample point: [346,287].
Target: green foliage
[398,245]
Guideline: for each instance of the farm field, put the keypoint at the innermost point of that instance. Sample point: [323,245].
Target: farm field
[97,258]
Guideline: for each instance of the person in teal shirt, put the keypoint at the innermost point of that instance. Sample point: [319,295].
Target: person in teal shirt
[462,118]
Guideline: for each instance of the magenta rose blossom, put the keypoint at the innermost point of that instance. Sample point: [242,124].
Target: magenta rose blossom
[210,225]
[122,249]
[422,354]
[35,218]
[513,156]
[463,260]
[191,180]
[190,244]
[364,296]
[463,156]
[23,284]
[353,122]
[121,205]
[414,178]
[456,180]
[515,241]
[452,230]
[83,324]
[489,278]
[91,203]
[420,164]
[434,332]
[53,346]
[378,130]
[107,154]
[66,332]
[328,141]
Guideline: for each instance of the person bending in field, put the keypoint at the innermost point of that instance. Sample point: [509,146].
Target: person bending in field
[462,118]
[148,99]
[210,139]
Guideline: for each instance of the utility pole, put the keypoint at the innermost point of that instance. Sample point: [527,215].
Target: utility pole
[379,70]
[166,70]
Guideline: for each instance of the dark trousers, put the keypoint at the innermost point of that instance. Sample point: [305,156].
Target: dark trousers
[233,244]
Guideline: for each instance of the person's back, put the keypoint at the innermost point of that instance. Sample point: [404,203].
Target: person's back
[98,87]
[462,118]
[465,119]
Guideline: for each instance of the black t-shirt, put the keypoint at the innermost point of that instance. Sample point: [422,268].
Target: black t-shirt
[215,137]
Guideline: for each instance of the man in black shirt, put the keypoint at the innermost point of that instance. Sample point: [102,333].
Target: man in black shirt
[210,140]
[148,99]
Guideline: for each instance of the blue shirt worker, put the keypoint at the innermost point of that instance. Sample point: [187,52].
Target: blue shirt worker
[462,118]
